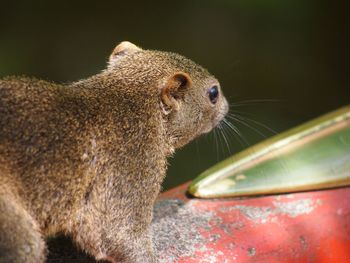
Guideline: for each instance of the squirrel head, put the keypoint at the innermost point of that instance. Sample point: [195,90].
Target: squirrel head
[190,99]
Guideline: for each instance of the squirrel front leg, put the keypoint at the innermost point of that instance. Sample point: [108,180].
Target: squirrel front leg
[114,220]
[116,228]
[108,240]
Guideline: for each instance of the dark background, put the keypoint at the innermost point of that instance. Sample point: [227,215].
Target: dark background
[290,57]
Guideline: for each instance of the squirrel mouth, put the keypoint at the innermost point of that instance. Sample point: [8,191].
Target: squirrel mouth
[216,122]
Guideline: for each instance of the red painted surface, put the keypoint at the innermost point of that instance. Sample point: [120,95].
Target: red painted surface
[300,227]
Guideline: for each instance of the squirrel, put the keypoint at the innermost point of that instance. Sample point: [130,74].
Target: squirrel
[87,159]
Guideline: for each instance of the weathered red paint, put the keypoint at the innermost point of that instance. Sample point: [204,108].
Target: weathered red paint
[300,227]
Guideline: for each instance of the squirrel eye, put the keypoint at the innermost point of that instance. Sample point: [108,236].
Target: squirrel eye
[213,94]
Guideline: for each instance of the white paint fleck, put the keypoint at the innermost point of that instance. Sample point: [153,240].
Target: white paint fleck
[264,214]
[339,212]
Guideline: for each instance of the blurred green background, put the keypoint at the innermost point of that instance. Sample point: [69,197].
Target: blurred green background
[289,59]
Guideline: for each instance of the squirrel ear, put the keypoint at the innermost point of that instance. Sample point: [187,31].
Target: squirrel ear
[173,89]
[123,48]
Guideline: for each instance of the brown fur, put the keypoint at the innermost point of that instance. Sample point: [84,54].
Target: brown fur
[88,159]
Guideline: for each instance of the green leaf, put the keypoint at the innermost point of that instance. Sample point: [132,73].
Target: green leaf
[315,155]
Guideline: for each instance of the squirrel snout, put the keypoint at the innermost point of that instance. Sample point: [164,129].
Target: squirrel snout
[225,107]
